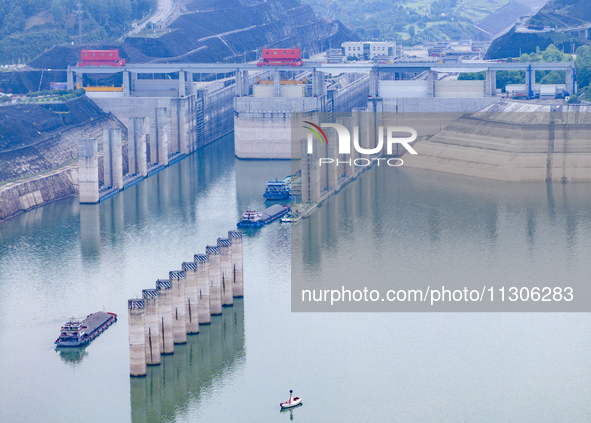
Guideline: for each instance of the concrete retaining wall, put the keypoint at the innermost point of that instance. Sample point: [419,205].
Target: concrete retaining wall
[460,89]
[436,105]
[218,114]
[403,89]
[353,95]
[261,134]
[512,141]
[16,197]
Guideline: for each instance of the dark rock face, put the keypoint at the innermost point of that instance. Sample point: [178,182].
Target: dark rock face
[220,31]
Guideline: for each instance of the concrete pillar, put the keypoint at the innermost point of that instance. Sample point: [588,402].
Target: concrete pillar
[137,340]
[366,138]
[332,170]
[152,139]
[225,246]
[136,146]
[237,266]
[113,157]
[310,174]
[376,105]
[571,87]
[79,80]
[491,83]
[182,84]
[192,297]
[159,137]
[349,170]
[215,282]
[183,123]
[162,136]
[238,83]
[245,83]
[107,158]
[152,328]
[190,87]
[202,262]
[276,83]
[165,311]
[88,177]
[317,83]
[126,90]
[133,83]
[179,319]
[530,80]
[432,77]
[70,79]
[374,78]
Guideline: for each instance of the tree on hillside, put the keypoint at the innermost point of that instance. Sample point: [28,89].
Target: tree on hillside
[583,67]
[553,77]
[13,21]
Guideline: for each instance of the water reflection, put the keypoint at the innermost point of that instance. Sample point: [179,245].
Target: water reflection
[391,202]
[290,411]
[183,377]
[407,227]
[72,356]
[173,193]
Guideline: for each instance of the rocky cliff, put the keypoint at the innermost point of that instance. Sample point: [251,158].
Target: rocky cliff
[39,151]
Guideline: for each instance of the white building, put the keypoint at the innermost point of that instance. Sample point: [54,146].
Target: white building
[369,49]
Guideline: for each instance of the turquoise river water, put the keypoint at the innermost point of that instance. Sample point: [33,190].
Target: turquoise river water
[64,260]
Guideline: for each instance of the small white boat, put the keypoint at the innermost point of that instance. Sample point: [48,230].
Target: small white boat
[287,218]
[292,402]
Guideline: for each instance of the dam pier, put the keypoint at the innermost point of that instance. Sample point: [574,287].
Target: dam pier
[165,316]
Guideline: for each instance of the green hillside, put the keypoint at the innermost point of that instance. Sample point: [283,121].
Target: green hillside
[408,21]
[30,27]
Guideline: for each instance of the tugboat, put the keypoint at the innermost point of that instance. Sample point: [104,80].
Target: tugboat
[291,402]
[256,219]
[76,334]
[278,190]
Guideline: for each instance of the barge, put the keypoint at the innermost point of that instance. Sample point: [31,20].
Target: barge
[256,219]
[76,334]
[282,190]
[278,190]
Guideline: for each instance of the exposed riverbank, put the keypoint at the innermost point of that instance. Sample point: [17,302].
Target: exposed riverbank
[513,141]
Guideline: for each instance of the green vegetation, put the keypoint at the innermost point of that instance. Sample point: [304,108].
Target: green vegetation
[62,95]
[551,54]
[583,68]
[29,27]
[563,14]
[408,21]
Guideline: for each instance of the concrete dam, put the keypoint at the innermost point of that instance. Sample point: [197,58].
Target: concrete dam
[163,112]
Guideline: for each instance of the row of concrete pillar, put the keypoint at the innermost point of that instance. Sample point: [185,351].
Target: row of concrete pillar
[328,178]
[490,82]
[148,147]
[164,316]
